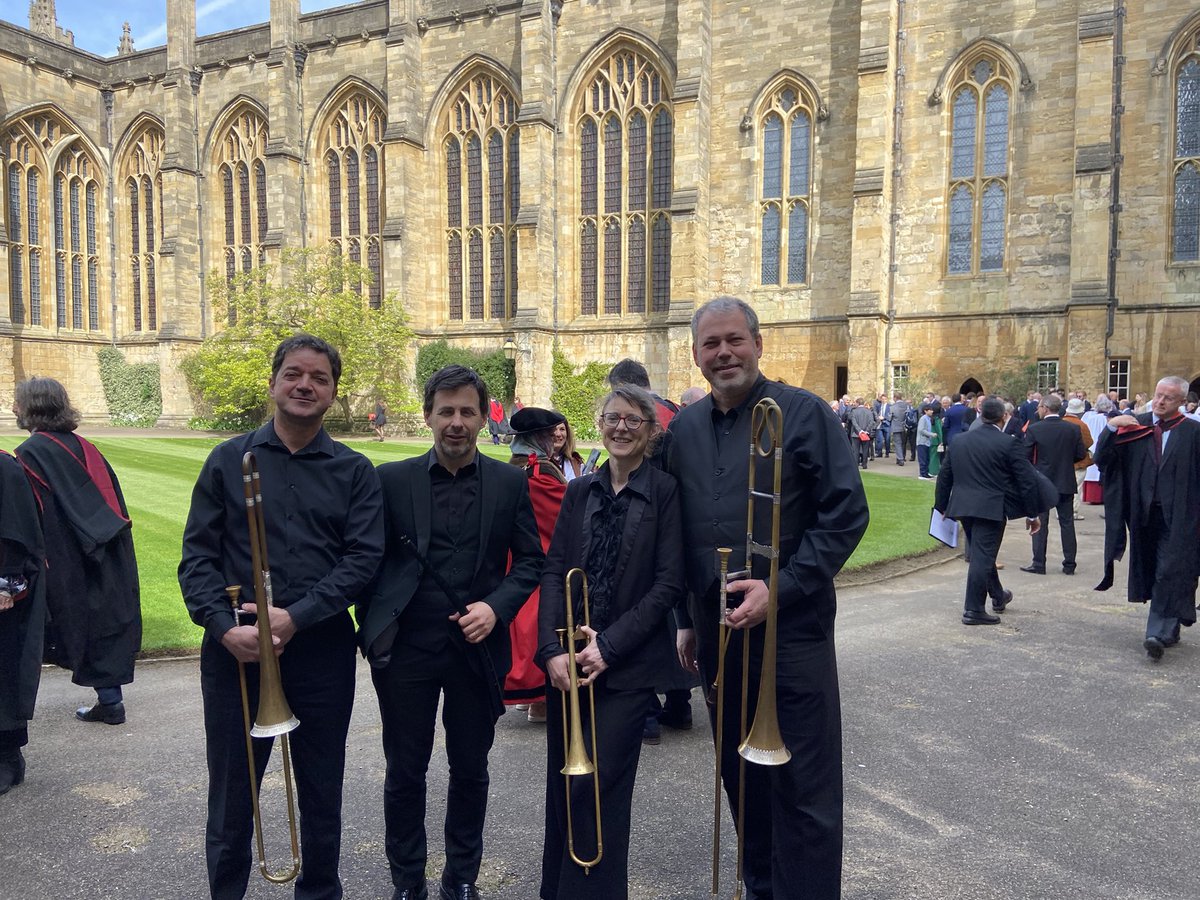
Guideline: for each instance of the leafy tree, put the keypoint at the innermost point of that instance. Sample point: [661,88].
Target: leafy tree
[497,372]
[314,291]
[577,395]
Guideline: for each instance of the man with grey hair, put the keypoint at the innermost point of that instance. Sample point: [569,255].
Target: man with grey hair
[691,395]
[1054,446]
[792,839]
[1151,472]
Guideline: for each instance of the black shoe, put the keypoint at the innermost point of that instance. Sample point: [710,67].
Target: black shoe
[980,618]
[1154,647]
[463,891]
[680,721]
[420,892]
[1068,570]
[1002,604]
[1034,570]
[652,731]
[12,770]
[108,713]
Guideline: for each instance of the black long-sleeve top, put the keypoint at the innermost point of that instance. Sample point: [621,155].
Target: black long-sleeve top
[324,523]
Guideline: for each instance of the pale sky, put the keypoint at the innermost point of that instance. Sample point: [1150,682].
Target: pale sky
[97,24]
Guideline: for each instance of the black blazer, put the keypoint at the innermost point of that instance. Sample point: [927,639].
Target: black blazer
[506,525]
[637,643]
[1054,445]
[986,475]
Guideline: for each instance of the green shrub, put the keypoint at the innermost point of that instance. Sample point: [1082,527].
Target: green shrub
[577,395]
[497,372]
[133,392]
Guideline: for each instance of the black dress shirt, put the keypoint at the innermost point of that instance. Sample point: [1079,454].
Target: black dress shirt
[453,552]
[324,522]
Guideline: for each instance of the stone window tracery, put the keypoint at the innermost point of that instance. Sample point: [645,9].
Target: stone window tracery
[981,122]
[143,218]
[482,158]
[1185,213]
[785,184]
[241,153]
[77,301]
[625,133]
[352,147]
[51,212]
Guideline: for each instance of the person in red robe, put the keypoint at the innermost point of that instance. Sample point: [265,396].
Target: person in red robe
[533,449]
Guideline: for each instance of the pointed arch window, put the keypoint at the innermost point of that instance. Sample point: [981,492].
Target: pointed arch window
[242,176]
[31,204]
[979,176]
[483,195]
[785,125]
[1185,211]
[625,132]
[352,147]
[143,227]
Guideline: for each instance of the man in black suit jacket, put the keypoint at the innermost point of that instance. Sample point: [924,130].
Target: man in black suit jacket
[983,469]
[1054,446]
[465,513]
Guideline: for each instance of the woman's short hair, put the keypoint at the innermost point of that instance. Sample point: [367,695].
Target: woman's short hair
[43,405]
[641,400]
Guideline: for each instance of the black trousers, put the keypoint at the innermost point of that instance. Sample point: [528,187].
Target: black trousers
[983,580]
[408,689]
[792,837]
[1066,528]
[317,672]
[620,718]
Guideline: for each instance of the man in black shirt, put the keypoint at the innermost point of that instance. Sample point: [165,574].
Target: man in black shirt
[793,823]
[466,514]
[324,533]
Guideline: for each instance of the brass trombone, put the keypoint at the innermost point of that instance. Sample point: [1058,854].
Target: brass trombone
[274,717]
[763,743]
[577,761]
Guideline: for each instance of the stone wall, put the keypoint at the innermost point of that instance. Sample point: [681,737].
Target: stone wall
[879,186]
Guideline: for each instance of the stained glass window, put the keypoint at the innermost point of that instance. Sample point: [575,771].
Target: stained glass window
[1185,212]
[980,128]
[352,144]
[962,217]
[625,133]
[481,119]
[785,179]
[635,287]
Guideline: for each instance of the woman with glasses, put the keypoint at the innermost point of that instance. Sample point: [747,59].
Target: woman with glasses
[621,525]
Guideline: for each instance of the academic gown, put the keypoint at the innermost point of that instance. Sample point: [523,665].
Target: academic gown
[21,626]
[1131,476]
[92,589]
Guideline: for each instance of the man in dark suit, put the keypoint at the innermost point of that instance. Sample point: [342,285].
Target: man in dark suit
[953,420]
[983,474]
[465,513]
[1151,469]
[1054,445]
[793,825]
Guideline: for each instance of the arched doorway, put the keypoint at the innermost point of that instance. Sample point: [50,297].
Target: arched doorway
[1194,387]
[970,386]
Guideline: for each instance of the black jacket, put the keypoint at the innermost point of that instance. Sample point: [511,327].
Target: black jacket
[506,525]
[649,577]
[986,475]
[1054,446]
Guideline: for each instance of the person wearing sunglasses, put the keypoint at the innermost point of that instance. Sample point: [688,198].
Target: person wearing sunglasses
[622,526]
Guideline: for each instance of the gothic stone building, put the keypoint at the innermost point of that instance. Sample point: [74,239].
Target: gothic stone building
[896,187]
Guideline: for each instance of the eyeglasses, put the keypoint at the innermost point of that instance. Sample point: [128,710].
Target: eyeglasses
[612,420]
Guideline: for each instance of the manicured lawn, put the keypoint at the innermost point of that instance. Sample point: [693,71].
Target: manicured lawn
[157,475]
